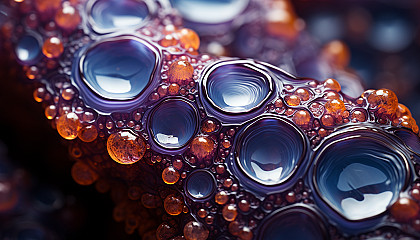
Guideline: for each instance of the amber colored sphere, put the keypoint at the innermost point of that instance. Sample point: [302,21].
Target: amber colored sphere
[126,148]
[195,231]
[202,147]
[180,71]
[292,100]
[170,175]
[188,38]
[208,126]
[303,94]
[47,5]
[337,53]
[332,84]
[50,112]
[229,212]
[173,205]
[302,118]
[384,100]
[83,173]
[335,106]
[68,17]
[88,133]
[221,197]
[68,126]
[53,47]
[404,209]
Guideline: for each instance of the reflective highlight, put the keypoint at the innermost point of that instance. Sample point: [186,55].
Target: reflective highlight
[28,49]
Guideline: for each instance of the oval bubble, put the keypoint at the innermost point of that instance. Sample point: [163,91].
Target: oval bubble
[109,15]
[28,49]
[270,150]
[359,176]
[237,88]
[210,11]
[119,68]
[173,123]
[297,222]
[200,184]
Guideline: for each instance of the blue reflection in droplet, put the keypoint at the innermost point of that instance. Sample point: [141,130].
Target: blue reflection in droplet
[117,14]
[119,69]
[296,223]
[270,150]
[410,139]
[210,11]
[28,49]
[237,88]
[200,184]
[173,123]
[359,177]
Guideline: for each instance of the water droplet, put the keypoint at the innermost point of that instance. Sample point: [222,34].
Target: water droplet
[270,150]
[287,224]
[110,15]
[210,11]
[359,175]
[200,184]
[28,49]
[173,123]
[235,88]
[118,69]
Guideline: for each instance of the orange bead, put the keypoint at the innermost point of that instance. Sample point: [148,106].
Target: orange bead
[32,72]
[53,47]
[244,205]
[88,133]
[180,71]
[83,174]
[39,94]
[404,209]
[67,17]
[208,126]
[292,100]
[50,112]
[202,147]
[331,95]
[384,100]
[173,205]
[188,38]
[332,84]
[195,231]
[67,94]
[229,212]
[358,116]
[173,89]
[327,120]
[303,94]
[337,53]
[234,228]
[47,5]
[168,40]
[281,20]
[68,126]
[221,197]
[125,148]
[278,103]
[302,118]
[245,234]
[335,106]
[170,175]
[402,110]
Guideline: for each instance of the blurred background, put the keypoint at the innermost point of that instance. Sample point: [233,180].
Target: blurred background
[39,199]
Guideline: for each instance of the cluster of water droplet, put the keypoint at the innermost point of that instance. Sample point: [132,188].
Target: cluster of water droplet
[213,147]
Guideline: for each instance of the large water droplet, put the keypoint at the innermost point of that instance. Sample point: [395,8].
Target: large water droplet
[200,184]
[210,11]
[359,177]
[270,150]
[28,49]
[109,15]
[236,88]
[297,223]
[118,69]
[173,123]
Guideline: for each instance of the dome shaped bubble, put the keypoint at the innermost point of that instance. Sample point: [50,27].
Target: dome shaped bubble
[237,88]
[109,15]
[28,49]
[210,11]
[359,176]
[297,222]
[200,184]
[270,150]
[119,68]
[173,123]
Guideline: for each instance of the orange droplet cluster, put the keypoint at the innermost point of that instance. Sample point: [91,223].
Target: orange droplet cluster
[180,72]
[202,147]
[188,39]
[53,47]
[384,101]
[126,148]
[170,175]
[68,126]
